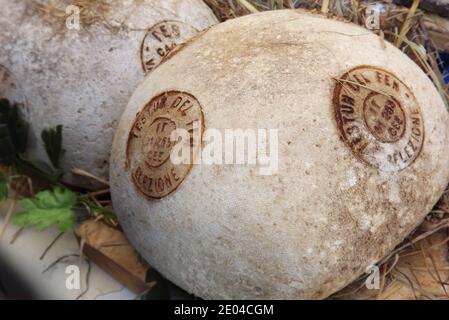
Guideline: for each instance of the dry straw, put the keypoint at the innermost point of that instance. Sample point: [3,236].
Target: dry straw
[419,267]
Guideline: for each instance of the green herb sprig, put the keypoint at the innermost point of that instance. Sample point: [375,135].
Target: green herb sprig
[57,205]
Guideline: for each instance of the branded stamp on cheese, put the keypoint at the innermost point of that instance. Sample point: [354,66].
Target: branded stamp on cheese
[378,118]
[150,142]
[161,39]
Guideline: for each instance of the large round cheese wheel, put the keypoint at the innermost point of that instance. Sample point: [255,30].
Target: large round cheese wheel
[82,79]
[362,145]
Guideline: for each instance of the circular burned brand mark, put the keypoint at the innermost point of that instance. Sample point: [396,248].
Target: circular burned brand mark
[378,118]
[161,39]
[384,117]
[149,143]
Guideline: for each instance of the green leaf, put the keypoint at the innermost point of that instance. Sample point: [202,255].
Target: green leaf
[13,132]
[52,139]
[48,208]
[3,187]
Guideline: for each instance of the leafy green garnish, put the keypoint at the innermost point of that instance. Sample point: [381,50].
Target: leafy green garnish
[13,132]
[3,187]
[52,138]
[48,208]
